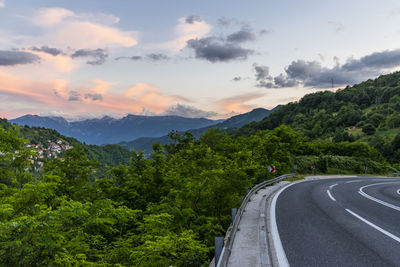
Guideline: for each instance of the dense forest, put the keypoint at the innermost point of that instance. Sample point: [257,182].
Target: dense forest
[94,207]
[159,211]
[367,112]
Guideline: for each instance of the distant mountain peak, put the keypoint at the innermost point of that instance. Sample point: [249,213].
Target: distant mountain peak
[108,130]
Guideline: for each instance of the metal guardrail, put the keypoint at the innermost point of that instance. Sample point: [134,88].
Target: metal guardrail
[230,233]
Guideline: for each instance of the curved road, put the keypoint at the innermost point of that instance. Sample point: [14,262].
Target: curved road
[338,222]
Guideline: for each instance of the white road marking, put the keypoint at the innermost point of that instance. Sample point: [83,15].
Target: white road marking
[329,194]
[361,192]
[398,191]
[332,186]
[383,231]
[280,252]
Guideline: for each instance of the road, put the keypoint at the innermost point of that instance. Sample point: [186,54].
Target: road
[338,222]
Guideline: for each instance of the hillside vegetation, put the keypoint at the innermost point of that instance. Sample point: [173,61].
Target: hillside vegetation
[367,112]
[159,211]
[107,155]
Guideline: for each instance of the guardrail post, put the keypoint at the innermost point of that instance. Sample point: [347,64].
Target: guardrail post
[219,243]
[234,211]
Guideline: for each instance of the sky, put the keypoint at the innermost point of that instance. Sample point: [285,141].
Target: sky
[214,59]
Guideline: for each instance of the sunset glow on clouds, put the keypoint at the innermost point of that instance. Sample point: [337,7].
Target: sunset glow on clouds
[64,28]
[92,58]
[59,96]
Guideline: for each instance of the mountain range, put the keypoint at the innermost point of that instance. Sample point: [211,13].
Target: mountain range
[231,124]
[109,130]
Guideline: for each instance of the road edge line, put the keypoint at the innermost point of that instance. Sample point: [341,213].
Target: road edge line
[274,232]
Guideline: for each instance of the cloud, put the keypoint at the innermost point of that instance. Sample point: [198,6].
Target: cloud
[241,36]
[89,35]
[237,79]
[65,28]
[48,50]
[227,22]
[2,4]
[262,72]
[185,30]
[74,96]
[99,55]
[223,21]
[238,104]
[19,95]
[132,58]
[94,97]
[157,56]
[313,74]
[151,57]
[263,31]
[192,19]
[51,63]
[216,50]
[47,17]
[11,58]
[188,112]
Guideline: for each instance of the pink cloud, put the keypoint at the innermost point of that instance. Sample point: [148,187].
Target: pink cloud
[239,103]
[85,34]
[65,28]
[54,95]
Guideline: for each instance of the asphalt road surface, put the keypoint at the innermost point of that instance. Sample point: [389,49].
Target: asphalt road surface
[338,222]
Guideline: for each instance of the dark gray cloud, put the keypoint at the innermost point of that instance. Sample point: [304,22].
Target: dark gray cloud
[192,19]
[48,50]
[157,56]
[303,70]
[283,81]
[241,36]
[98,56]
[217,50]
[151,57]
[311,73]
[377,60]
[132,58]
[262,72]
[237,79]
[11,58]
[188,112]
[94,97]
[74,96]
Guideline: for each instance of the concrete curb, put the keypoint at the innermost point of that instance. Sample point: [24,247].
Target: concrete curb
[230,234]
[265,247]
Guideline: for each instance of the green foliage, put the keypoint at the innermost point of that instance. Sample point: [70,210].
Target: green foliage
[373,106]
[368,129]
[159,211]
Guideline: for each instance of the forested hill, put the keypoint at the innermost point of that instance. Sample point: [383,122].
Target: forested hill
[107,155]
[228,125]
[369,112]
